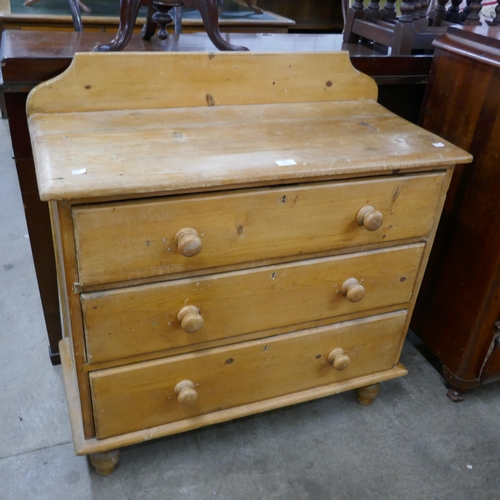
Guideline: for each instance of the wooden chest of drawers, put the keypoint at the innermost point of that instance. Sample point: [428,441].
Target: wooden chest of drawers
[228,243]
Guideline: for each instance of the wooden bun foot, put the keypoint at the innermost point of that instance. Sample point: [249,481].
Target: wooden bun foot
[105,463]
[366,395]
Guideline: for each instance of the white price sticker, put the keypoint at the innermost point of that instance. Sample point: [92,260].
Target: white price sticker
[285,163]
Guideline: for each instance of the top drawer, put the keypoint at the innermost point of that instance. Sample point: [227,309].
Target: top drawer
[136,239]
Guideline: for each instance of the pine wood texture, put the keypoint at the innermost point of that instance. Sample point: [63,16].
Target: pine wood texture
[62,229]
[86,446]
[105,463]
[366,395]
[28,59]
[215,275]
[95,81]
[122,241]
[213,147]
[136,320]
[237,375]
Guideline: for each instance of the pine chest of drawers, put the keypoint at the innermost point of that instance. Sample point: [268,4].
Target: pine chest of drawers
[234,232]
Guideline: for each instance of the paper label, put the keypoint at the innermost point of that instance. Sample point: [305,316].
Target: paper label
[285,163]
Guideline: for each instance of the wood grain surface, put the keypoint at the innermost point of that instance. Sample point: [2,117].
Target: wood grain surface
[121,241]
[142,319]
[97,82]
[84,446]
[139,396]
[263,265]
[211,147]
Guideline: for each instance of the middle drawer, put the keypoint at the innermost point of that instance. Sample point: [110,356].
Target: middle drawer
[145,319]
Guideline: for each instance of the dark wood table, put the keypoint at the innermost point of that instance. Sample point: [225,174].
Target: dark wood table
[104,17]
[30,57]
[458,310]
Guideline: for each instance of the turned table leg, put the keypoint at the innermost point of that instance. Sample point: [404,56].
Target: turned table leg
[366,395]
[105,463]
[129,9]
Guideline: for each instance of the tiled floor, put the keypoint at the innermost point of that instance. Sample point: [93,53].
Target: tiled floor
[411,444]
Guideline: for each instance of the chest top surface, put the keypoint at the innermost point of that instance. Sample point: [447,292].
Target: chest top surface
[129,125]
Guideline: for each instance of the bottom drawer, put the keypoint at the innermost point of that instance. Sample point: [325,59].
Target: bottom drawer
[143,395]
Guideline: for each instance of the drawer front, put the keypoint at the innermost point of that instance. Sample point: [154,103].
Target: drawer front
[143,395]
[132,240]
[143,319]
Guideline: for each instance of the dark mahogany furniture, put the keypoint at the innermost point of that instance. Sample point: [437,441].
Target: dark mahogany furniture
[236,17]
[159,14]
[30,57]
[417,26]
[458,311]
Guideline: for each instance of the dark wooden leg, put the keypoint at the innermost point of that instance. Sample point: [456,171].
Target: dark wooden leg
[254,7]
[355,12]
[424,6]
[389,10]
[76,16]
[438,14]
[209,11]
[404,30]
[407,10]
[162,18]
[366,395]
[453,13]
[454,395]
[473,18]
[373,11]
[416,13]
[149,29]
[105,463]
[128,15]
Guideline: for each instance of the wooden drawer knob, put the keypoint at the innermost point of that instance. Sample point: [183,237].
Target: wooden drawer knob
[186,393]
[188,242]
[353,290]
[370,218]
[339,359]
[190,319]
